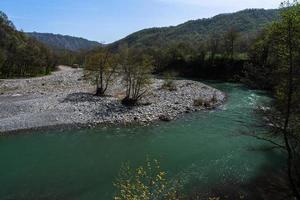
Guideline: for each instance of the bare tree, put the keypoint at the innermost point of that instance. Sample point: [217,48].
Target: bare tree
[101,68]
[230,38]
[137,70]
[213,45]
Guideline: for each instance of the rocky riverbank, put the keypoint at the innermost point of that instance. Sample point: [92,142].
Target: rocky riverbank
[66,99]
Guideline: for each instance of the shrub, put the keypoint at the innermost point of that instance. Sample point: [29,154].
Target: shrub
[101,69]
[147,182]
[169,83]
[137,70]
[202,103]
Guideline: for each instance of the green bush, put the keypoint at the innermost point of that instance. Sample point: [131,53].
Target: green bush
[169,83]
[147,182]
[200,102]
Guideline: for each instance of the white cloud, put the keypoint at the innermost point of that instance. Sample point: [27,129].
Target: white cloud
[227,3]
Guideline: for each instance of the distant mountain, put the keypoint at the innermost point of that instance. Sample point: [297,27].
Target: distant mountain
[247,22]
[64,41]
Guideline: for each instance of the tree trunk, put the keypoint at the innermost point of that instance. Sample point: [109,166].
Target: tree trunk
[100,91]
[290,89]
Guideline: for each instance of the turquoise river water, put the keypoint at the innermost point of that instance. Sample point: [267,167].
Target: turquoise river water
[201,148]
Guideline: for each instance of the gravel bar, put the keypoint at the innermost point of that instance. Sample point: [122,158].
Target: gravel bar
[65,98]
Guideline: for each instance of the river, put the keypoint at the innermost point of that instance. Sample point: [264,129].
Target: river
[202,148]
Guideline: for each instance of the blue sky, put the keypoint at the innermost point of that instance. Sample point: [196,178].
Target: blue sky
[110,20]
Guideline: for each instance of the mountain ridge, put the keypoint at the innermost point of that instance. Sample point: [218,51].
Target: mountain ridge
[67,42]
[247,22]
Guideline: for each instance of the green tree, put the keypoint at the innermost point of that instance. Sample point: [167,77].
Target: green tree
[213,45]
[20,55]
[137,68]
[2,60]
[101,67]
[283,54]
[286,44]
[169,83]
[260,71]
[230,39]
[147,182]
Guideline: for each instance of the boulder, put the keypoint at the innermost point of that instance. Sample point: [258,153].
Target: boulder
[165,118]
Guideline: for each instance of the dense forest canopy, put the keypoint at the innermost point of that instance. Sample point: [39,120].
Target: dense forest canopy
[214,48]
[247,22]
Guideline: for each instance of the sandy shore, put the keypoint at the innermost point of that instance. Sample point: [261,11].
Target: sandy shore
[66,99]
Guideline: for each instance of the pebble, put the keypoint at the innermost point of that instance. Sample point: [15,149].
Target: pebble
[66,100]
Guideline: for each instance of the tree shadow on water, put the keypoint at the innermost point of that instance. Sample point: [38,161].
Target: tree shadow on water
[269,183]
[50,194]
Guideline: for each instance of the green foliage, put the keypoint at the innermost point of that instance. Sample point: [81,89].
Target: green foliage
[21,56]
[188,61]
[275,63]
[2,58]
[200,102]
[214,48]
[269,54]
[70,58]
[286,47]
[247,23]
[137,69]
[169,83]
[147,182]
[230,38]
[101,68]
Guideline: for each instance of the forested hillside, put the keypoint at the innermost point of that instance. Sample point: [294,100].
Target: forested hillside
[207,48]
[64,41]
[247,23]
[20,55]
